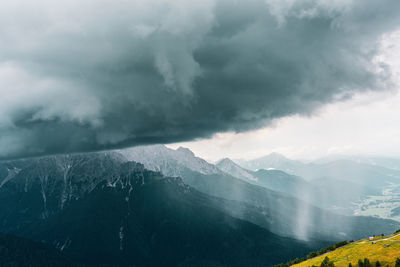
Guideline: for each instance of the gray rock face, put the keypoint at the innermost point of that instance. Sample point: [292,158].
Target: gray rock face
[37,188]
[230,167]
[168,161]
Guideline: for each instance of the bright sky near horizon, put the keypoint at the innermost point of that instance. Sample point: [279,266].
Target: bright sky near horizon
[364,125]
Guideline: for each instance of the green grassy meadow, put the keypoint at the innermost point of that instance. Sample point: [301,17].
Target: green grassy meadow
[385,250]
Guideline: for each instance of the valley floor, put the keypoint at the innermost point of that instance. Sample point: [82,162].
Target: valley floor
[386,206]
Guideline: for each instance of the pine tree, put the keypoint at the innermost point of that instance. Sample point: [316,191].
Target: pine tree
[397,262]
[378,264]
[311,255]
[367,263]
[360,263]
[325,262]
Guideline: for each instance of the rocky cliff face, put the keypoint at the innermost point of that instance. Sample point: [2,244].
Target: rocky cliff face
[35,189]
[168,161]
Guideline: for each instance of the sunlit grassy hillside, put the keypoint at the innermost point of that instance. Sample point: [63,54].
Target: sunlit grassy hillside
[386,249]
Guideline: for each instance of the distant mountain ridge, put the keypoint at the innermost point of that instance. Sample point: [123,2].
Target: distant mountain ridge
[341,169]
[386,162]
[271,161]
[282,213]
[322,192]
[348,185]
[276,180]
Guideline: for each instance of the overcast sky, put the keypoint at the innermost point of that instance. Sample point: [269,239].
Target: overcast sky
[368,124]
[91,75]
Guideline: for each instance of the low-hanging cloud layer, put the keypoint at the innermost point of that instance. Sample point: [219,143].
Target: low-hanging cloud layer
[99,74]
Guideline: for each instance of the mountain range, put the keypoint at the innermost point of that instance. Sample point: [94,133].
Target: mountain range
[283,212]
[155,206]
[325,192]
[99,209]
[349,169]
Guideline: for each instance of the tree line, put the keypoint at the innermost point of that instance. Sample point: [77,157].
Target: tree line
[314,254]
[366,263]
[361,263]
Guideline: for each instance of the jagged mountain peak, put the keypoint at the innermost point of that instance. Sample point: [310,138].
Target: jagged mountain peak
[273,160]
[225,161]
[168,161]
[186,151]
[230,167]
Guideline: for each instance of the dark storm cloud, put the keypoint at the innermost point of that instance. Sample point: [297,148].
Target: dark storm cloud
[90,75]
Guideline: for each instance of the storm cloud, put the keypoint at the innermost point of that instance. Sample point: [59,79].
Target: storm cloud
[93,74]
